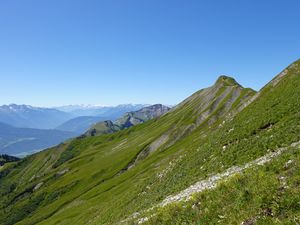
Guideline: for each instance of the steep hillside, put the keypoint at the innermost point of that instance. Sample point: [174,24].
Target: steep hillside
[266,192]
[250,173]
[24,141]
[32,117]
[128,120]
[221,131]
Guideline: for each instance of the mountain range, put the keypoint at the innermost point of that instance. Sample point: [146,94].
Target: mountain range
[23,141]
[26,116]
[25,129]
[225,155]
[113,112]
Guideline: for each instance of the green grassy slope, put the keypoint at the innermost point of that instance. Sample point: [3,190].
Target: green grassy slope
[268,194]
[105,179]
[259,195]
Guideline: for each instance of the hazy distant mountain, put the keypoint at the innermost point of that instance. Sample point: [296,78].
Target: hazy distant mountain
[80,124]
[128,120]
[92,114]
[80,107]
[68,121]
[112,112]
[22,141]
[32,117]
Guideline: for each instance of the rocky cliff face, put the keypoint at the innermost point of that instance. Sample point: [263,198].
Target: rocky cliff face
[141,116]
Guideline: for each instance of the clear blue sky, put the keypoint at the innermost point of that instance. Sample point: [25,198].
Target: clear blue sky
[56,52]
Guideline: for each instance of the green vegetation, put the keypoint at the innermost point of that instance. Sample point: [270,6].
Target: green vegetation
[105,179]
[7,159]
[263,195]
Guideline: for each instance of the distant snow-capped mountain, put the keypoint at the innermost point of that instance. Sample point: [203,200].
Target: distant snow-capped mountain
[28,116]
[100,110]
[70,108]
[32,117]
[26,128]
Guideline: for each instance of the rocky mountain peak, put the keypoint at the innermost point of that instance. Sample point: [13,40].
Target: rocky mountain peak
[227,81]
